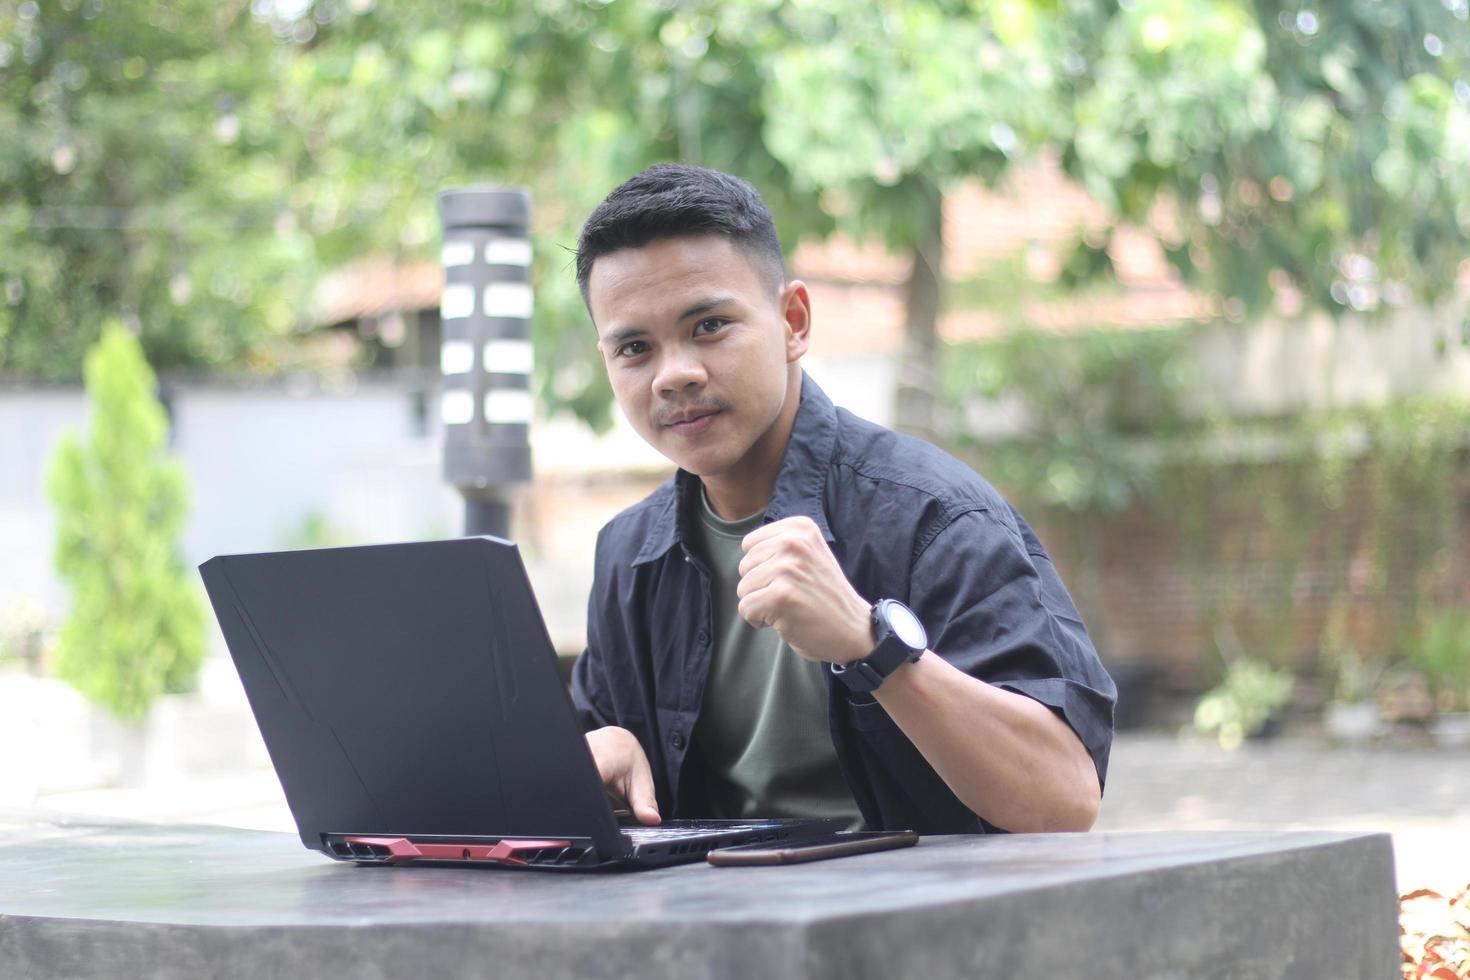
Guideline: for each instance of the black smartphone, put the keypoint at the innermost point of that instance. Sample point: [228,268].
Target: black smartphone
[811,849]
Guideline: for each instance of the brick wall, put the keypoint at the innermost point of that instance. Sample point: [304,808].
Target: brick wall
[1160,585]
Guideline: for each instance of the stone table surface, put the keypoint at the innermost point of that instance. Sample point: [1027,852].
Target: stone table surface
[94,899]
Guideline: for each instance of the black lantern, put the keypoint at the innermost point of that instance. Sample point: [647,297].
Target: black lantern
[485,357]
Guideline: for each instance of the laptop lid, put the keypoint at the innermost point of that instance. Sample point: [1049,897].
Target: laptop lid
[409,689]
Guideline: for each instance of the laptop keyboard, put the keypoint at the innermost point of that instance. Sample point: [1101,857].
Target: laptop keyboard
[644,835]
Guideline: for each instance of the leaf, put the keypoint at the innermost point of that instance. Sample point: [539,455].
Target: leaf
[1434,937]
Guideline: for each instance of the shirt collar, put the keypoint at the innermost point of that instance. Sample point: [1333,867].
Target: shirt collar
[799,485]
[803,475]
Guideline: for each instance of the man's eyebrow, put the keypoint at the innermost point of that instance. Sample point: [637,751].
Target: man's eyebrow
[617,338]
[705,305]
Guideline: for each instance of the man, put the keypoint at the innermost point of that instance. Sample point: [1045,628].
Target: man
[757,627]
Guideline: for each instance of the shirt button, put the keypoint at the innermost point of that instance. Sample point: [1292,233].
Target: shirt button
[702,637]
[677,741]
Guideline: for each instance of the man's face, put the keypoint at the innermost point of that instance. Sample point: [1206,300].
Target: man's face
[698,348]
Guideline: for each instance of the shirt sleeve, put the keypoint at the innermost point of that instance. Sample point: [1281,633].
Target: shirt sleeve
[995,607]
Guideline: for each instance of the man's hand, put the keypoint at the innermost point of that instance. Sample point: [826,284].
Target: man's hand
[624,769]
[790,580]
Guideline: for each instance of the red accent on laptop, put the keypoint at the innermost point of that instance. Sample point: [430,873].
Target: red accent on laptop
[401,850]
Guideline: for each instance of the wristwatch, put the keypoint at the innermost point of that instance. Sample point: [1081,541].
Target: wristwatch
[898,639]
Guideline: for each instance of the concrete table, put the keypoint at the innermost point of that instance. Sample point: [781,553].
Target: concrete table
[83,900]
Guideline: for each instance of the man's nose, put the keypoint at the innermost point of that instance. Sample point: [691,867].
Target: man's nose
[678,369]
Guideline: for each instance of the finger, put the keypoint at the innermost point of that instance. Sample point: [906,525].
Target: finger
[764,552]
[765,532]
[799,526]
[781,556]
[773,532]
[757,609]
[803,540]
[640,796]
[759,577]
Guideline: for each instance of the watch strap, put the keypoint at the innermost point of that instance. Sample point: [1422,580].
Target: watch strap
[889,654]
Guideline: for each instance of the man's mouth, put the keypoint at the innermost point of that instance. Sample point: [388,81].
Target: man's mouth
[691,420]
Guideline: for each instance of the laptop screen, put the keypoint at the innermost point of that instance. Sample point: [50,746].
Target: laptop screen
[409,689]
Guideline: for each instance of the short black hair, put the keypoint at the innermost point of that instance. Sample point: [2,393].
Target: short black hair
[672,200]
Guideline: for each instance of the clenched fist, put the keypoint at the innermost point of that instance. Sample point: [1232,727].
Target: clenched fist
[790,581]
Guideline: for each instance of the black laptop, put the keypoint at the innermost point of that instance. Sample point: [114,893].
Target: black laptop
[412,705]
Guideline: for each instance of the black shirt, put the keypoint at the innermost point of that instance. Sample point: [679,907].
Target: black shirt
[905,521]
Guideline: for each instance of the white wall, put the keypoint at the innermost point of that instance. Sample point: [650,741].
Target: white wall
[30,424]
[1279,367]
[259,461]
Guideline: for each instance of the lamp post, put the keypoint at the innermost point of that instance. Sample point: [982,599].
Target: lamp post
[485,355]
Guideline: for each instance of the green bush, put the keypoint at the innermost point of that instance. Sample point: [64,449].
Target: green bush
[135,628]
[1440,649]
[1241,704]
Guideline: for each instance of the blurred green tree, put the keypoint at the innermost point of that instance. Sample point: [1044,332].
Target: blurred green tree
[136,627]
[1270,147]
[567,98]
[1317,151]
[196,168]
[140,178]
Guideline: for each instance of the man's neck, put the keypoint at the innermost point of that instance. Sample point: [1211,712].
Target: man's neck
[739,502]
[747,488]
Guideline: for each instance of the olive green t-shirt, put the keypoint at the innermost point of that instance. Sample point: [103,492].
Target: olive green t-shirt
[762,731]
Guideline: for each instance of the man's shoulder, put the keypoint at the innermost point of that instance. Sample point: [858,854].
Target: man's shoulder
[891,462]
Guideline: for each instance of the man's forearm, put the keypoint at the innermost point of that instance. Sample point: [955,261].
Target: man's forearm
[1006,756]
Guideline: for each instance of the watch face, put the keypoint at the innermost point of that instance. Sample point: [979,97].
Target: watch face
[906,625]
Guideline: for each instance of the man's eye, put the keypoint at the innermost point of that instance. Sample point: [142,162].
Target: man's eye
[710,325]
[632,348]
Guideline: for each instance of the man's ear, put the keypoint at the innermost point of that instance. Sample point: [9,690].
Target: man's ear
[796,311]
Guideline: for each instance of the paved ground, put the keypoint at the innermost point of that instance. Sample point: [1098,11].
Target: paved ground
[1420,795]
[1156,782]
